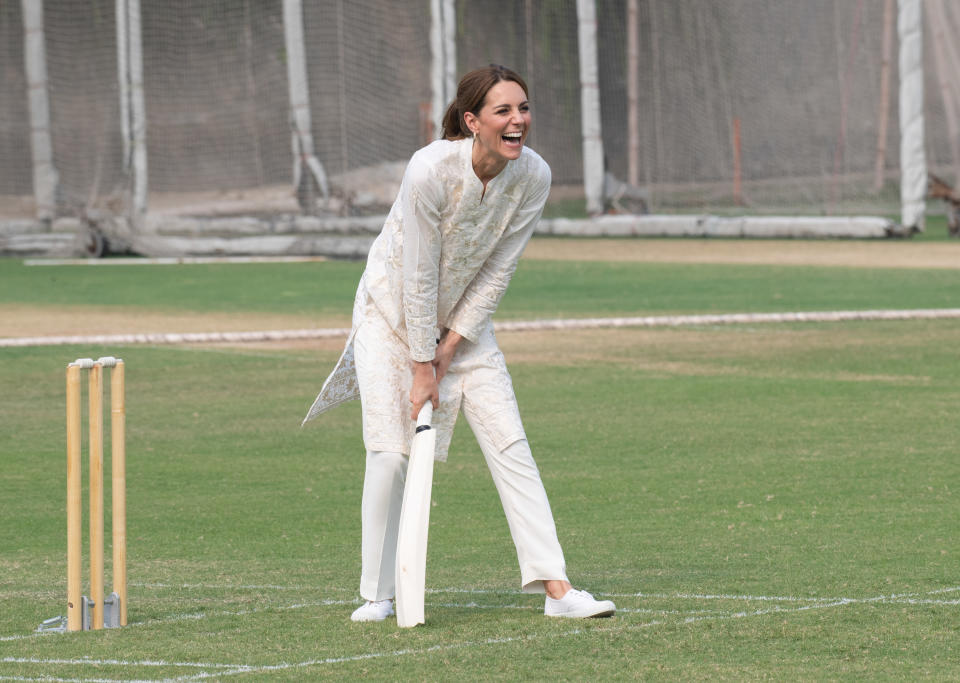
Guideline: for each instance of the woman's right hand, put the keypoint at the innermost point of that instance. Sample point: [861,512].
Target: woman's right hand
[425,387]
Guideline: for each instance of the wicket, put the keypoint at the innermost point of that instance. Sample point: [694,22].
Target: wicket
[96,612]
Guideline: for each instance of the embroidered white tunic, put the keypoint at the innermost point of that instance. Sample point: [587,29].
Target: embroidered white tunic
[444,259]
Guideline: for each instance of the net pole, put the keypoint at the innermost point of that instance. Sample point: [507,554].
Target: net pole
[883,112]
[913,164]
[633,94]
[138,110]
[438,96]
[590,106]
[45,176]
[297,85]
[123,79]
[449,51]
[304,158]
[530,44]
[655,160]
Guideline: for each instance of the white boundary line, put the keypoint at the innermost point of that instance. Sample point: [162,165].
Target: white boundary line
[177,338]
[893,598]
[495,591]
[902,598]
[171,260]
[508,326]
[220,670]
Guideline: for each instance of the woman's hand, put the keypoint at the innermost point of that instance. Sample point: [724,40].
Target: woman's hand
[445,351]
[425,387]
[427,376]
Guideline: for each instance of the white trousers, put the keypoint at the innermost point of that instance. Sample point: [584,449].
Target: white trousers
[522,495]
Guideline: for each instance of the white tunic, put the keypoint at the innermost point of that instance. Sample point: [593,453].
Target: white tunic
[444,259]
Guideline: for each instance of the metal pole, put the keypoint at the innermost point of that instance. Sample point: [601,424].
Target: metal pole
[123,80]
[138,112]
[913,162]
[590,107]
[633,94]
[45,176]
[437,90]
[449,51]
[304,159]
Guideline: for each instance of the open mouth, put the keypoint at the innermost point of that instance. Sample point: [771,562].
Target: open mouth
[513,139]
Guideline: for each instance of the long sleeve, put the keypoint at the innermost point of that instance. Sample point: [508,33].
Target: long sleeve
[446,254]
[421,210]
[482,296]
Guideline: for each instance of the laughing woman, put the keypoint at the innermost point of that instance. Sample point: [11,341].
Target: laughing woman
[422,331]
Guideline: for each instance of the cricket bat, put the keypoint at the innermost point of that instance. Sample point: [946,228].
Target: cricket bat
[411,563]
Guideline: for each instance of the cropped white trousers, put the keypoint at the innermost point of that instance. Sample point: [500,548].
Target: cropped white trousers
[511,465]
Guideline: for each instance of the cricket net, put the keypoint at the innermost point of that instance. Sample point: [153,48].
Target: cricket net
[757,106]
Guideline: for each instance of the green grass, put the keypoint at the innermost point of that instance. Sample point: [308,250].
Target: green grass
[934,230]
[762,502]
[584,289]
[299,288]
[540,288]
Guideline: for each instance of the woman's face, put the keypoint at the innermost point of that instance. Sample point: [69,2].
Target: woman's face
[503,123]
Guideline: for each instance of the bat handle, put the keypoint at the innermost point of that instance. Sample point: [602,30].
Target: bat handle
[425,417]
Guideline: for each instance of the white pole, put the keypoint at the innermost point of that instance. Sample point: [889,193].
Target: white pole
[528,70]
[301,135]
[123,79]
[633,94]
[45,176]
[342,88]
[438,65]
[449,51]
[913,165]
[590,107]
[138,112]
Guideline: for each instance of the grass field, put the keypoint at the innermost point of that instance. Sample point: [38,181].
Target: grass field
[761,501]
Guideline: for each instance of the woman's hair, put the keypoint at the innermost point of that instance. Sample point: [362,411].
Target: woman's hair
[471,93]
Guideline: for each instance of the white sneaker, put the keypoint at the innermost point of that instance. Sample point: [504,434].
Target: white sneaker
[373,611]
[578,605]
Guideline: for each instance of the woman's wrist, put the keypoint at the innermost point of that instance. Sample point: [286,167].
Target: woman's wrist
[451,338]
[423,367]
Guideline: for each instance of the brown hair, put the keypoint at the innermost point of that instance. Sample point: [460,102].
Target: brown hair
[471,93]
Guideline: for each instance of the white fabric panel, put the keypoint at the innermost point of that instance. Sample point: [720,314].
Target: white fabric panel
[913,165]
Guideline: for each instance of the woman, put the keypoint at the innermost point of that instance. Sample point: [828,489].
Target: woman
[422,331]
